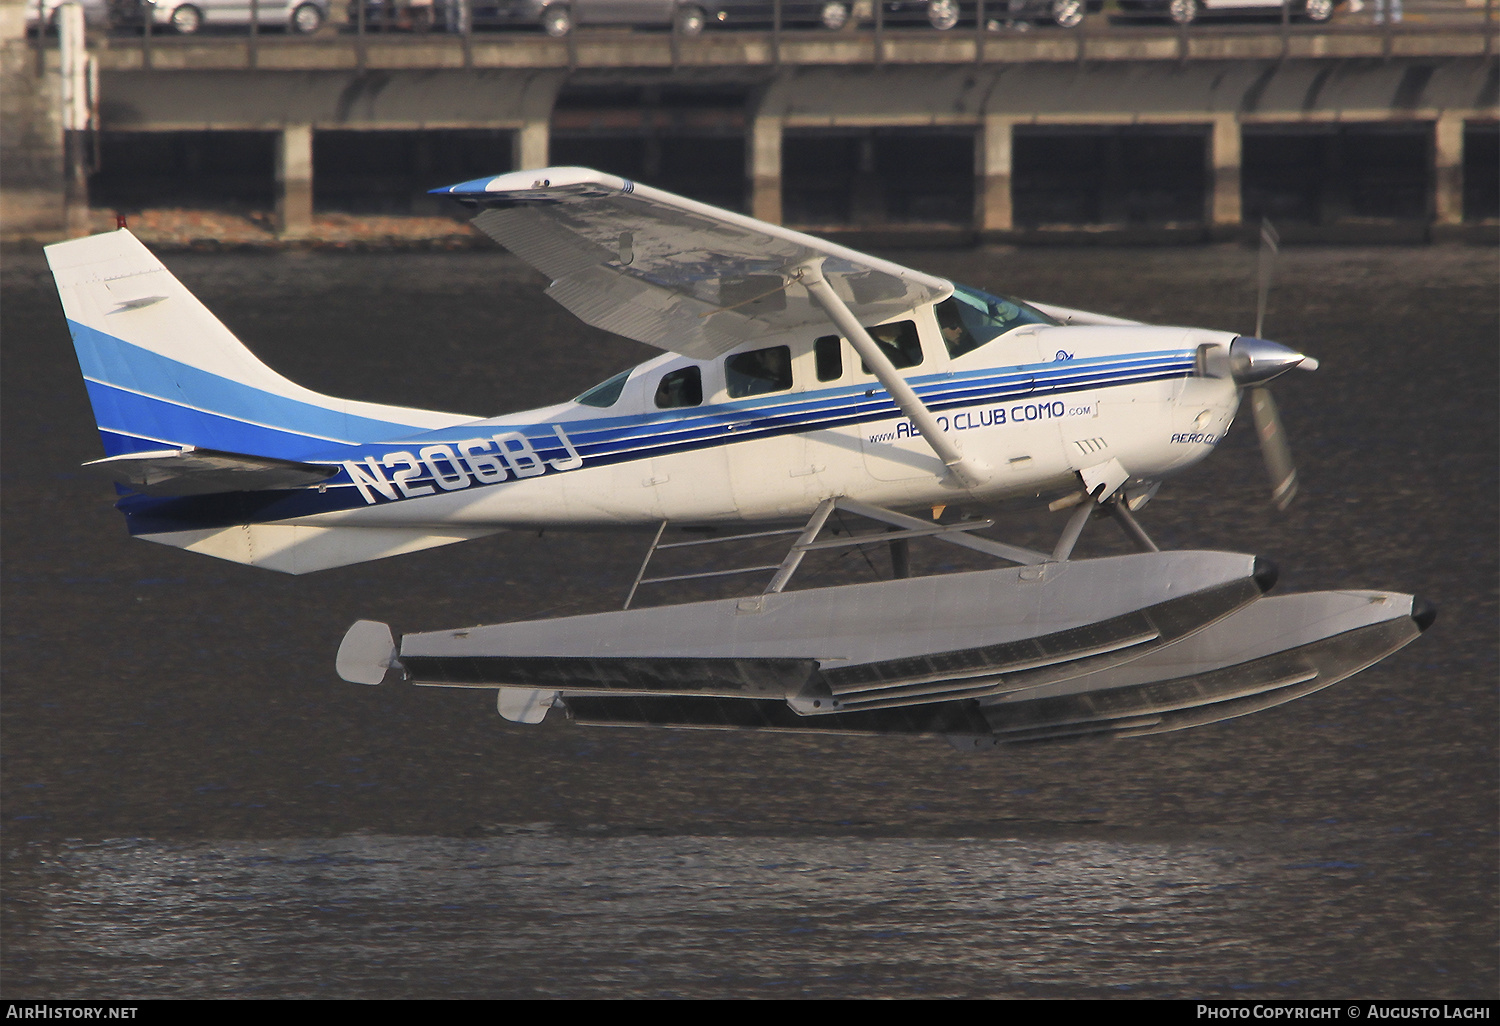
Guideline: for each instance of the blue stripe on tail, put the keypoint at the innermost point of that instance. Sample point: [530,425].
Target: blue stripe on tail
[143,401]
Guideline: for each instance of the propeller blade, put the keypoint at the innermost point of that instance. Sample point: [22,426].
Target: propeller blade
[1255,362]
[1273,447]
[1270,244]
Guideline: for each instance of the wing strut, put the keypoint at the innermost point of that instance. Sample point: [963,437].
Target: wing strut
[968,471]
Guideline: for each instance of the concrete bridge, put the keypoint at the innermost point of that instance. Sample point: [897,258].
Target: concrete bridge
[1348,131]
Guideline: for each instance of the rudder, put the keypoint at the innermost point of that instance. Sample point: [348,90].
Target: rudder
[163,372]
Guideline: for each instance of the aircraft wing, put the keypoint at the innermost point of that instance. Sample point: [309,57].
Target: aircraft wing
[674,273]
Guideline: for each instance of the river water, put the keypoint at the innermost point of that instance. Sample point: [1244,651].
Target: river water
[195,806]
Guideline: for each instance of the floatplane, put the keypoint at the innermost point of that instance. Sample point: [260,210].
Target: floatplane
[799,380]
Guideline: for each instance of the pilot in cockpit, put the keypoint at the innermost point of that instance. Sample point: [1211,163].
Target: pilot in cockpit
[955,335]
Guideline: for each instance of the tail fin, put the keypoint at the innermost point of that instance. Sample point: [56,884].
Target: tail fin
[186,410]
[164,373]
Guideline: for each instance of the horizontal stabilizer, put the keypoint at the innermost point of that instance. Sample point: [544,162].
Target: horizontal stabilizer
[192,471]
[303,548]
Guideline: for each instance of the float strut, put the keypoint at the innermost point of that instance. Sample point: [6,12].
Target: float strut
[1073,530]
[1130,525]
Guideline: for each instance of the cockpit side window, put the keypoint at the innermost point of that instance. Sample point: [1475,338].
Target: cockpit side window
[970,318]
[605,394]
[758,372]
[899,342]
[679,388]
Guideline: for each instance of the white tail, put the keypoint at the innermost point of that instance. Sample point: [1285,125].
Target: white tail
[163,372]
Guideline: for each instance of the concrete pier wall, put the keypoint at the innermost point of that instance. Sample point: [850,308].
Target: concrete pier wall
[924,142]
[32,183]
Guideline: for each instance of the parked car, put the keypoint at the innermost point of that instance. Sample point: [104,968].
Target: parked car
[558,17]
[946,14]
[1185,12]
[940,14]
[409,15]
[44,12]
[190,16]
[760,14]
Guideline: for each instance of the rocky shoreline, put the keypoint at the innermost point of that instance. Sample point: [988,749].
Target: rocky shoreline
[211,231]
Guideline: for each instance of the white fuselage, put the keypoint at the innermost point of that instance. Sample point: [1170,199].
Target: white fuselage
[968,399]
[1035,406]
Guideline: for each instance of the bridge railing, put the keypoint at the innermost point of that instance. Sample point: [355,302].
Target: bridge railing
[987,30]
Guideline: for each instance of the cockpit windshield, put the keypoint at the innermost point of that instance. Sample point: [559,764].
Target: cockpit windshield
[605,394]
[970,318]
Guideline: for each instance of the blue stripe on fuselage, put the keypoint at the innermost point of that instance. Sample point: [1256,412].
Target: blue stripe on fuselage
[610,440]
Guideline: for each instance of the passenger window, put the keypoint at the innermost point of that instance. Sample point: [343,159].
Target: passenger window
[898,342]
[828,354]
[758,372]
[680,388]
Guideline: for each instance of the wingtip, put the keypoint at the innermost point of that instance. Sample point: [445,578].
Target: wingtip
[462,188]
[539,182]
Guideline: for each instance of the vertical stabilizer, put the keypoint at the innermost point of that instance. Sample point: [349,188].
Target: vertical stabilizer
[163,372]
